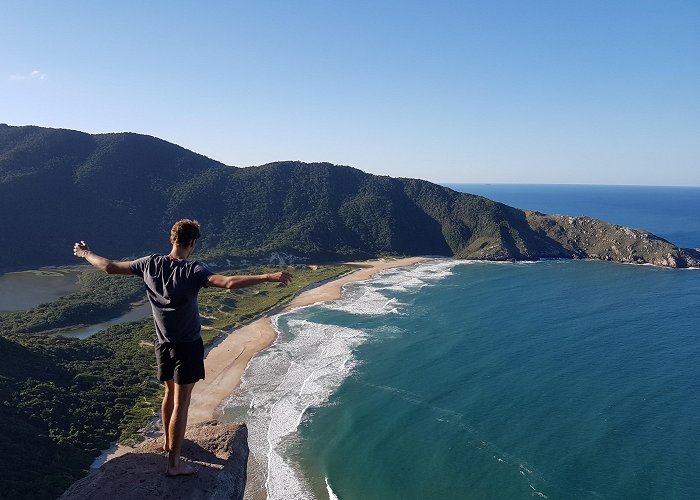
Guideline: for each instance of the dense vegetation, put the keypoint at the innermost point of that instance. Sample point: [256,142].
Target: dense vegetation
[64,400]
[122,192]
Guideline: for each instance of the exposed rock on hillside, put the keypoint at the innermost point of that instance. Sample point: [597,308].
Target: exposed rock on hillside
[584,237]
[218,451]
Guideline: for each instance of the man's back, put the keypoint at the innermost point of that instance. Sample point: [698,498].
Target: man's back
[172,286]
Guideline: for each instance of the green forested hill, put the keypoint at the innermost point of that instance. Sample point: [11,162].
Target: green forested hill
[59,185]
[122,192]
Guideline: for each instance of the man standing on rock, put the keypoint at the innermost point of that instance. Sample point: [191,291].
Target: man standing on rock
[172,285]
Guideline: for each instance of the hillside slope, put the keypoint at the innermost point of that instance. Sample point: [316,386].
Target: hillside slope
[122,192]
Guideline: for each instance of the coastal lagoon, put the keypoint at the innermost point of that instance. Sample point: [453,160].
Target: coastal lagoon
[555,379]
[138,311]
[27,289]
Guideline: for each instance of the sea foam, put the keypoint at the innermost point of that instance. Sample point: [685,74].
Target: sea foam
[367,298]
[306,364]
[300,371]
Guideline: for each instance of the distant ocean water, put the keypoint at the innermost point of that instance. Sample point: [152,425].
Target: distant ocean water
[454,380]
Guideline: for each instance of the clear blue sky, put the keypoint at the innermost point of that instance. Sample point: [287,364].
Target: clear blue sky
[596,92]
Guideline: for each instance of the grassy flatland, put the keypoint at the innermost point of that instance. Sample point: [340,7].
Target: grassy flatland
[46,272]
[223,310]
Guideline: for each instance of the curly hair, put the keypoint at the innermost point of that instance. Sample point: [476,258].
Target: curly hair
[184,232]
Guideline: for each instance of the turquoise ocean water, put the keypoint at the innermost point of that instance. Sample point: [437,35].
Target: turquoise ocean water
[454,380]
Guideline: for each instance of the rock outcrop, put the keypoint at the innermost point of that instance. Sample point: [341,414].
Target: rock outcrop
[588,238]
[218,451]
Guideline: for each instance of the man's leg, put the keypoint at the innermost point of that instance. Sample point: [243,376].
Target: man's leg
[167,412]
[178,424]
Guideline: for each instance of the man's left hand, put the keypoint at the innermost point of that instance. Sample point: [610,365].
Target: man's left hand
[282,277]
[81,249]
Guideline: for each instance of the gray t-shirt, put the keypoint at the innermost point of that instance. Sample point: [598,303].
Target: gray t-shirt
[172,287]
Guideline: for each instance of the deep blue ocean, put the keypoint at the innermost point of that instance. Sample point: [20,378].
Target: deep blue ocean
[474,380]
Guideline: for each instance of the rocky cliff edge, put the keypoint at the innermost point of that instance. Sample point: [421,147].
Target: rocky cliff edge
[218,451]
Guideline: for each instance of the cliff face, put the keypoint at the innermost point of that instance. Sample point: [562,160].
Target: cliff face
[218,451]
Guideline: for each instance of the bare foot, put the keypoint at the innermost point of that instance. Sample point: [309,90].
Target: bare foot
[181,469]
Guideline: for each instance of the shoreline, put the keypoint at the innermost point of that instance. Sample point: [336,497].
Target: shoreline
[226,362]
[228,359]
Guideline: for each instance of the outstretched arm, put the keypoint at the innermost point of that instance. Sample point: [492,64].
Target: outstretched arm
[230,282]
[82,250]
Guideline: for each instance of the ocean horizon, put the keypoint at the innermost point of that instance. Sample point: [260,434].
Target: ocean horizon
[463,379]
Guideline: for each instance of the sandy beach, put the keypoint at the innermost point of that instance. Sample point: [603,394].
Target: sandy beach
[226,361]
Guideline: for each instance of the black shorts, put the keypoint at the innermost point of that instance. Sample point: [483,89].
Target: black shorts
[182,362]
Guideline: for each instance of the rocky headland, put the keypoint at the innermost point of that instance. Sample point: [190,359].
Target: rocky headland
[588,238]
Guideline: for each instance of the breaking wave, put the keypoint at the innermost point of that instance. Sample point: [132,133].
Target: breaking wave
[306,364]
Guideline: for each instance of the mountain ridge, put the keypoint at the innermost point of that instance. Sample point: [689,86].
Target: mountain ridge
[122,192]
